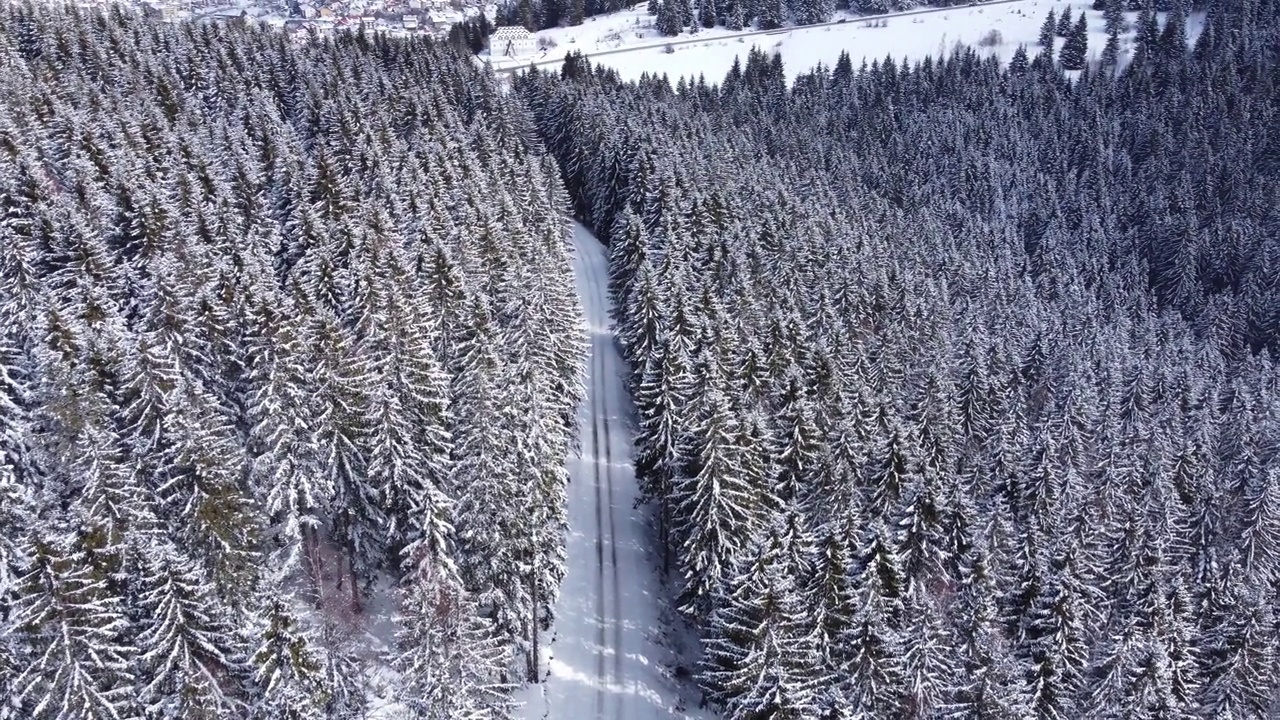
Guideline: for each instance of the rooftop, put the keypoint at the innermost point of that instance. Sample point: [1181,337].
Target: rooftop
[511,32]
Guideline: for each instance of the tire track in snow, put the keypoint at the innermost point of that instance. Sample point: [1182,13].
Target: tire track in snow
[597,399]
[606,339]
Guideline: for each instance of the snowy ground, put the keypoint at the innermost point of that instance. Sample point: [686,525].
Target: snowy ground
[910,35]
[610,657]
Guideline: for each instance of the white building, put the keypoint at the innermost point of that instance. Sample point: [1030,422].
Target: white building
[511,41]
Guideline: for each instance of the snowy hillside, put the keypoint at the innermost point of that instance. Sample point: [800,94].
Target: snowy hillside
[627,42]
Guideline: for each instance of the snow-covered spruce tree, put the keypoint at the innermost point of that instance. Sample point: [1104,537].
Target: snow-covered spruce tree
[1111,51]
[670,20]
[69,627]
[189,653]
[235,313]
[1048,30]
[288,672]
[451,658]
[1064,25]
[717,510]
[1076,47]
[758,658]
[1113,14]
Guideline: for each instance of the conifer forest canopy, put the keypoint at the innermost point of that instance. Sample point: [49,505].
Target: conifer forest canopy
[283,330]
[956,382]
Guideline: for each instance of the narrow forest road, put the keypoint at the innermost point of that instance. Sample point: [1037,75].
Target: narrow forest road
[605,661]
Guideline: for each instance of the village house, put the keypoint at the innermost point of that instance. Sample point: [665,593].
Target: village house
[511,42]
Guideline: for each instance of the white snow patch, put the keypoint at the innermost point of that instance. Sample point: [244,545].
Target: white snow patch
[911,35]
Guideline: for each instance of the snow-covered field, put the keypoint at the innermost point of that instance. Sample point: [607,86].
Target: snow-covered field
[911,36]
[611,654]
[632,28]
[629,28]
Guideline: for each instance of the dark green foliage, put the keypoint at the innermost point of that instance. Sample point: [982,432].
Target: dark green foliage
[670,20]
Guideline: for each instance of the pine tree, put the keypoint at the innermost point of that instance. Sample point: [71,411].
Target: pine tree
[449,655]
[1054,638]
[1048,31]
[1077,46]
[987,682]
[186,646]
[875,670]
[737,19]
[488,531]
[288,673]
[628,250]
[772,14]
[1241,664]
[286,470]
[1113,14]
[341,399]
[203,491]
[1018,63]
[670,21]
[717,510]
[1111,51]
[16,474]
[758,659]
[1064,26]
[1147,33]
[73,662]
[1173,38]
[706,14]
[832,594]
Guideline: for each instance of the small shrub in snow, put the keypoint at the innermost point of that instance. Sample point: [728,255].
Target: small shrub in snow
[991,39]
[546,43]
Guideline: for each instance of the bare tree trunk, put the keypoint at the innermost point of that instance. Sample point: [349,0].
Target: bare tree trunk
[664,536]
[311,553]
[534,660]
[351,576]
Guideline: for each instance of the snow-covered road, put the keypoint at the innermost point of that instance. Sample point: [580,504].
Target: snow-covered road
[607,660]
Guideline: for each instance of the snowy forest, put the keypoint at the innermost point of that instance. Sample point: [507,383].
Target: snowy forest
[957,383]
[288,338]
